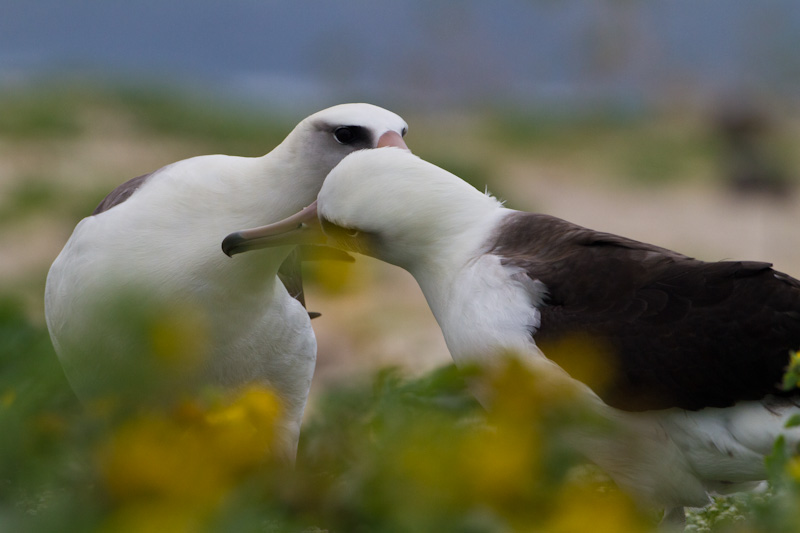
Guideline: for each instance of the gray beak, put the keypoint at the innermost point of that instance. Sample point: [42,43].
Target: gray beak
[300,228]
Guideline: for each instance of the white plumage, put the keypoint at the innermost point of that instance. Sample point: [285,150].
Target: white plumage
[501,281]
[144,277]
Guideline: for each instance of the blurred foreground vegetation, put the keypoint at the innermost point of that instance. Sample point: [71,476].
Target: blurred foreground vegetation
[385,454]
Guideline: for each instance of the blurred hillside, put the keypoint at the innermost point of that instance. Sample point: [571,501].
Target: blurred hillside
[657,178]
[633,54]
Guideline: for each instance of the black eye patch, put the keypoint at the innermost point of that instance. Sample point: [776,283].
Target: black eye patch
[351,135]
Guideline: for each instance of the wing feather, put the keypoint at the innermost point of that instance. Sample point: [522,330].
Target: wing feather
[677,331]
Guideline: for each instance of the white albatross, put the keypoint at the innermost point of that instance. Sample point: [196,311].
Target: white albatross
[697,349]
[141,301]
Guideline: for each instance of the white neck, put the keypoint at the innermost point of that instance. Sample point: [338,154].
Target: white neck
[480,306]
[188,209]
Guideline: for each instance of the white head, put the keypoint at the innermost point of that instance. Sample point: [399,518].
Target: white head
[394,206]
[386,203]
[322,140]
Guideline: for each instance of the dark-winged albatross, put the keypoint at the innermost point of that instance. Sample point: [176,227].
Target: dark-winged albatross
[154,243]
[697,349]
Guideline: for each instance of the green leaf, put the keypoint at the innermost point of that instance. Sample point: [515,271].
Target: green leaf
[793,421]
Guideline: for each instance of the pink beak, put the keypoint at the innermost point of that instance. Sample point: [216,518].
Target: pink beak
[392,138]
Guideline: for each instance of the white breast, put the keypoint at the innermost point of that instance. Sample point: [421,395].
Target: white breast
[487,311]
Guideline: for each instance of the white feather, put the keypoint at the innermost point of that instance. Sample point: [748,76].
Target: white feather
[437,227]
[161,248]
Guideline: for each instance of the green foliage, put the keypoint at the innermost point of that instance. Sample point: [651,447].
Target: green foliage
[386,454]
[39,114]
[793,421]
[60,112]
[562,132]
[636,149]
[33,195]
[40,450]
[656,157]
[791,379]
[211,121]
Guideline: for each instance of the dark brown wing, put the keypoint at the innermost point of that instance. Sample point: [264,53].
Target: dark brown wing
[121,193]
[676,331]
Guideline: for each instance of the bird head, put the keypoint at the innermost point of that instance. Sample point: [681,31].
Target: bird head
[386,203]
[322,140]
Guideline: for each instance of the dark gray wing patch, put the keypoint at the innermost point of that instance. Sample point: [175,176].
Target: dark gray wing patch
[121,193]
[291,276]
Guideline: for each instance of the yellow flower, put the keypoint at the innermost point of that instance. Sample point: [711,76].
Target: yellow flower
[191,455]
[154,457]
[241,433]
[527,394]
[438,466]
[793,468]
[500,465]
[597,508]
[585,359]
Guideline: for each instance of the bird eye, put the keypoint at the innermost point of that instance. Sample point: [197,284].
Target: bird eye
[403,133]
[344,135]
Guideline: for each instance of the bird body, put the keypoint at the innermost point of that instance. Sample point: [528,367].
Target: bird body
[147,264]
[693,352]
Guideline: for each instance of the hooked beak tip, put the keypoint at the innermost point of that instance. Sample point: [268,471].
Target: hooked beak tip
[230,244]
[286,232]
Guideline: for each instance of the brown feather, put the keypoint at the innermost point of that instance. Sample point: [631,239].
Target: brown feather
[679,332]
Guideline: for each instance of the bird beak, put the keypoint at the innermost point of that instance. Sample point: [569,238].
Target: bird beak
[301,228]
[392,138]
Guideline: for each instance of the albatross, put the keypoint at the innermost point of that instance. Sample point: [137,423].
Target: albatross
[695,351]
[140,302]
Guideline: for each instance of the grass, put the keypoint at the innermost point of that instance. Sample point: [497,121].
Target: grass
[202,120]
[39,114]
[53,113]
[634,148]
